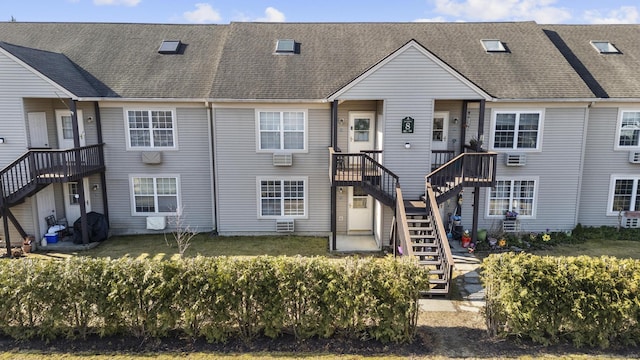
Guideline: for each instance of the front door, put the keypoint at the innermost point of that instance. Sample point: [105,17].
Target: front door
[38,136]
[361,125]
[72,200]
[360,214]
[440,130]
[46,203]
[64,123]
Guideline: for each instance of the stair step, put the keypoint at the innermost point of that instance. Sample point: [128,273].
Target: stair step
[421,220]
[429,262]
[426,253]
[439,281]
[422,236]
[436,272]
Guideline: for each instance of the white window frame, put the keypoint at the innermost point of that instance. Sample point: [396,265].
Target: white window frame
[616,145]
[305,181]
[282,149]
[612,188]
[536,184]
[517,112]
[154,176]
[174,122]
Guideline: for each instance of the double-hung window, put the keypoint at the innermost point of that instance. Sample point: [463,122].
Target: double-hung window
[282,198]
[624,194]
[517,195]
[151,128]
[628,135]
[517,130]
[281,130]
[154,195]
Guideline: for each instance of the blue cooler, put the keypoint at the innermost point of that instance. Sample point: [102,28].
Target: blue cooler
[51,238]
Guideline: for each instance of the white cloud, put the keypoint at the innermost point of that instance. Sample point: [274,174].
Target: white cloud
[117,2]
[272,15]
[203,14]
[435,19]
[622,15]
[542,11]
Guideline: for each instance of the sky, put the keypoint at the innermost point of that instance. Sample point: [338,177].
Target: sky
[226,11]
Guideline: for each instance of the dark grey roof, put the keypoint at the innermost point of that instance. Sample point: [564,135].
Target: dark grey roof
[123,58]
[609,75]
[56,67]
[333,54]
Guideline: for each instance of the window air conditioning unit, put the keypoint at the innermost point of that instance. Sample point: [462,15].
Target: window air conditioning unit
[634,157]
[285,225]
[282,159]
[515,159]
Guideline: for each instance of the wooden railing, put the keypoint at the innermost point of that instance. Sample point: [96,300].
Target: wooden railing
[50,166]
[441,234]
[360,169]
[465,170]
[440,157]
[403,237]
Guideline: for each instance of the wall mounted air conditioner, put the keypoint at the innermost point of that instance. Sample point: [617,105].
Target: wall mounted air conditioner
[515,159]
[156,222]
[634,157]
[285,225]
[282,159]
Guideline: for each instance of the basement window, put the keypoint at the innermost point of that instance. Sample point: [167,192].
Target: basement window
[287,46]
[493,45]
[605,47]
[170,47]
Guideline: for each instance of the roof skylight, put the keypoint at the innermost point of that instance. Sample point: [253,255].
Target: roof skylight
[287,46]
[493,45]
[170,47]
[605,47]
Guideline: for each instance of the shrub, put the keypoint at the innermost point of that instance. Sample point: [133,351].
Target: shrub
[215,298]
[583,300]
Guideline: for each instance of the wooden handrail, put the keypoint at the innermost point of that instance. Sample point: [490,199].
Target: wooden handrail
[441,233]
[402,233]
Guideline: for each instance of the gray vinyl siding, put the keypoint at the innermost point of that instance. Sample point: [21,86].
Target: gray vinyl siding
[192,162]
[557,168]
[239,166]
[600,162]
[408,84]
[18,83]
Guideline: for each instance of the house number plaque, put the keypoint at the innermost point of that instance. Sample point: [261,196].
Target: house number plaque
[407,125]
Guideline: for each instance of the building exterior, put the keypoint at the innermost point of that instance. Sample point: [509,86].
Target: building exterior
[259,128]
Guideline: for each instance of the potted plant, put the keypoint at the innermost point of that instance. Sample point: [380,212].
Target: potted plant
[26,244]
[510,215]
[475,143]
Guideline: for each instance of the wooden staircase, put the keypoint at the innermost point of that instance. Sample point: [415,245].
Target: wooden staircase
[36,169]
[418,230]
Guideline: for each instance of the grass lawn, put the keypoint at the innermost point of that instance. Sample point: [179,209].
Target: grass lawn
[159,248]
[596,247]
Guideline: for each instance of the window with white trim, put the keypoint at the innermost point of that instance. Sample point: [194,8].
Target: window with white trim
[517,130]
[281,130]
[282,198]
[151,128]
[624,194]
[628,134]
[154,195]
[517,195]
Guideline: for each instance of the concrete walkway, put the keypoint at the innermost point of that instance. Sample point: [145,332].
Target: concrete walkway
[467,281]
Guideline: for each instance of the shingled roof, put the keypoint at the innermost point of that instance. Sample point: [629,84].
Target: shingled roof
[333,54]
[123,59]
[609,75]
[237,61]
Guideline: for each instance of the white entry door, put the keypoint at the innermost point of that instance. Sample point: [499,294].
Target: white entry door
[64,123]
[72,200]
[46,203]
[360,214]
[440,130]
[38,136]
[361,136]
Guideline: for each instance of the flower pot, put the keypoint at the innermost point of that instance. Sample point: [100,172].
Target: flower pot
[26,248]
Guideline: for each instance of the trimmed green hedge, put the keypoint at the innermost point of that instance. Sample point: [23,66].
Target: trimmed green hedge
[582,300]
[215,298]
